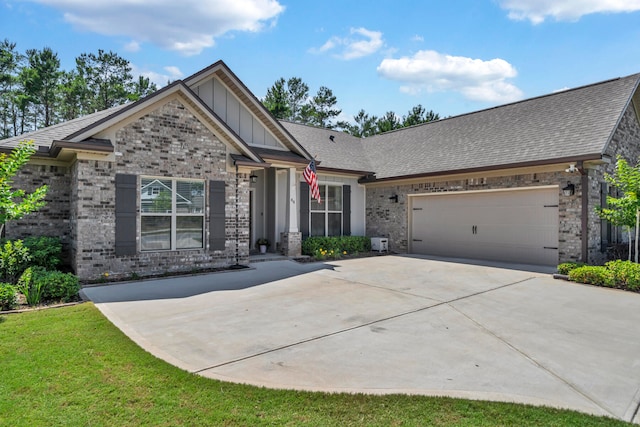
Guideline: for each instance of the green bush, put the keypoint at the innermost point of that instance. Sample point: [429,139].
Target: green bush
[335,247]
[566,267]
[8,297]
[58,286]
[44,251]
[593,275]
[30,288]
[14,259]
[626,274]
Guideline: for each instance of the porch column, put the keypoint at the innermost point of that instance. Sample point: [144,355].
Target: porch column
[291,238]
[292,201]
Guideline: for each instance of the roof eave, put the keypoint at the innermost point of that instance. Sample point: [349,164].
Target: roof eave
[546,162]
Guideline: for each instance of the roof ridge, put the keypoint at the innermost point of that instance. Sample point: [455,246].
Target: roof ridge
[546,95]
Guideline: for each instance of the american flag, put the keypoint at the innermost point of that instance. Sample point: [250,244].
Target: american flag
[311,177]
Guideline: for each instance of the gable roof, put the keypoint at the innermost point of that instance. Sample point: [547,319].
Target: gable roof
[568,126]
[228,77]
[574,124]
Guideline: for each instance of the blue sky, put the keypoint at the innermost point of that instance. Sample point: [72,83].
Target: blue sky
[452,57]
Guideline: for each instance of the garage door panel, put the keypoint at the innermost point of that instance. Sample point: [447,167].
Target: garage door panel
[519,225]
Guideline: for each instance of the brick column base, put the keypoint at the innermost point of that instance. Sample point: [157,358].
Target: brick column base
[291,244]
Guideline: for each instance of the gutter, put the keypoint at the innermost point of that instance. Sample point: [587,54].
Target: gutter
[573,159]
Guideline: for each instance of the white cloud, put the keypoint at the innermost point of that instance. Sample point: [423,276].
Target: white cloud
[160,79]
[132,46]
[537,11]
[417,38]
[432,71]
[362,42]
[187,26]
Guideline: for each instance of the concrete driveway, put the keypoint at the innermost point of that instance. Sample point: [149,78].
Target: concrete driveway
[394,324]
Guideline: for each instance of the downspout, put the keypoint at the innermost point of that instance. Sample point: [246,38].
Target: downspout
[585,211]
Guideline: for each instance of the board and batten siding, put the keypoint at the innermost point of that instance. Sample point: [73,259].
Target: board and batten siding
[237,116]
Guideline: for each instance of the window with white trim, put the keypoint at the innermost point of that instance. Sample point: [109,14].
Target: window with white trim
[171,214]
[326,217]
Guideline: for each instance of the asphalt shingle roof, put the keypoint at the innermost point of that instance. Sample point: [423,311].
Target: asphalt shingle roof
[343,152]
[44,137]
[576,122]
[564,124]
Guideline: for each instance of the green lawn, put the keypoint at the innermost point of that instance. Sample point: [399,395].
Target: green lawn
[71,366]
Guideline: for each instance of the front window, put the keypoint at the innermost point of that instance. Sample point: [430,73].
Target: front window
[326,218]
[172,214]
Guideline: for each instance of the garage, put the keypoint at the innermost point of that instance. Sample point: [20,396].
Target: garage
[512,225]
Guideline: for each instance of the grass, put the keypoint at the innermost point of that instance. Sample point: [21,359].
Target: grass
[70,366]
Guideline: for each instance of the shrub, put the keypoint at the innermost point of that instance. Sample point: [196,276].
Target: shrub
[340,245]
[593,275]
[44,251]
[58,286]
[626,274]
[566,267]
[14,259]
[8,297]
[30,288]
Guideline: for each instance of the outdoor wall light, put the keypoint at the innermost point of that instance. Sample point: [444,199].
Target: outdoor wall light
[569,190]
[394,198]
[253,178]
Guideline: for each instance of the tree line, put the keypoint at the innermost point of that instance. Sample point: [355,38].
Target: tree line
[35,92]
[290,100]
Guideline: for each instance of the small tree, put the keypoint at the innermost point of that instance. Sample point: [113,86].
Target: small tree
[620,212]
[15,203]
[624,210]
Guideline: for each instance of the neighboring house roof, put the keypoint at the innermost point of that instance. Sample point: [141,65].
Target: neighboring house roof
[343,151]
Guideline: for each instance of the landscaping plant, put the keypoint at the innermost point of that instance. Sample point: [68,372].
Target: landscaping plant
[15,203]
[335,247]
[45,251]
[14,259]
[57,286]
[30,288]
[8,297]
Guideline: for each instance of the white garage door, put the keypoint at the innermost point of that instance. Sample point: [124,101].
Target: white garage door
[517,225]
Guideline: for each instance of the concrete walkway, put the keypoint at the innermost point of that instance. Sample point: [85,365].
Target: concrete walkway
[395,324]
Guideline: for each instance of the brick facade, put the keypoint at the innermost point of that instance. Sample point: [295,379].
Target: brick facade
[168,142]
[386,219]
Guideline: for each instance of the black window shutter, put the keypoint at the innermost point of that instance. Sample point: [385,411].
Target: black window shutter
[126,198]
[304,209]
[346,210]
[217,228]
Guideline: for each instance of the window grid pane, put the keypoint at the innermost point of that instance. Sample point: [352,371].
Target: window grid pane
[156,195]
[189,231]
[317,224]
[155,233]
[335,224]
[168,203]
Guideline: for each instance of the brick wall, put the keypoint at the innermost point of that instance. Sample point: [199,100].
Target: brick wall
[387,219]
[54,218]
[169,142]
[625,142]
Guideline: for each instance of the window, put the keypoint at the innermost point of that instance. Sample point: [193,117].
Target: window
[326,218]
[172,214]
